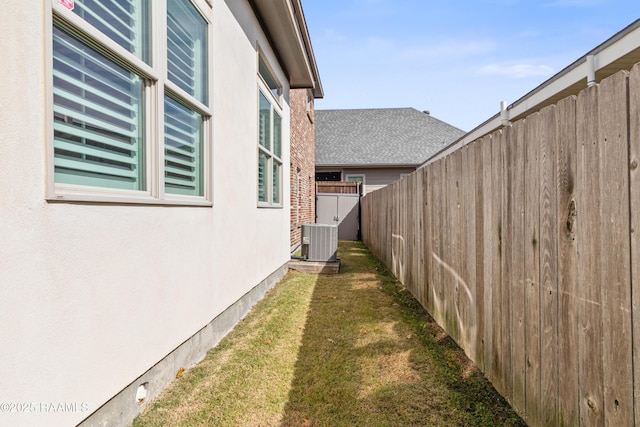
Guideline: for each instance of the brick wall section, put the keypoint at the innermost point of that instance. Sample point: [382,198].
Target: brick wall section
[303,203]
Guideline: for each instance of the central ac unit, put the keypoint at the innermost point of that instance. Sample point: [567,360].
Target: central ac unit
[320,242]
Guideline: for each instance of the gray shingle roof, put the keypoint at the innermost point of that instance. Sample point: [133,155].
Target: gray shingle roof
[379,136]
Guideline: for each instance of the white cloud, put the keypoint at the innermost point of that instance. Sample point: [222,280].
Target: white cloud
[332,35]
[529,34]
[447,49]
[517,71]
[571,3]
[375,43]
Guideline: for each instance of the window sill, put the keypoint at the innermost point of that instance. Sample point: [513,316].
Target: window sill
[141,198]
[267,206]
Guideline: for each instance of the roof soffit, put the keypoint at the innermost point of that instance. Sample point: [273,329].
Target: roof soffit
[282,23]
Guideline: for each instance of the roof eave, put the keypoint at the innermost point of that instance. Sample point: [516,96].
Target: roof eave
[283,22]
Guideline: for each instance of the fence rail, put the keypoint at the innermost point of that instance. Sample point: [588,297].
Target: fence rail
[338,187]
[524,246]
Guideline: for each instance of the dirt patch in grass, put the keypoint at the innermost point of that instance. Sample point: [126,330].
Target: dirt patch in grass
[354,349]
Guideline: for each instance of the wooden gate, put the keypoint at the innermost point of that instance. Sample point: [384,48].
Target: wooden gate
[340,207]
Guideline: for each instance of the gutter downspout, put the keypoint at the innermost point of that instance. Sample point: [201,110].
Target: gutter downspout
[504,114]
[591,70]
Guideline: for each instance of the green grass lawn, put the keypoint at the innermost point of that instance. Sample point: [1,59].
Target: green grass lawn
[353,349]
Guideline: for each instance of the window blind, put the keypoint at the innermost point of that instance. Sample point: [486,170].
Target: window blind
[187,48]
[277,151]
[124,21]
[263,162]
[264,131]
[276,182]
[98,118]
[183,149]
[277,135]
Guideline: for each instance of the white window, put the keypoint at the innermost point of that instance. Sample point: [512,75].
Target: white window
[128,125]
[357,178]
[269,138]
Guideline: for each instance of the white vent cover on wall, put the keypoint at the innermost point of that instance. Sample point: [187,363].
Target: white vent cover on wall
[320,242]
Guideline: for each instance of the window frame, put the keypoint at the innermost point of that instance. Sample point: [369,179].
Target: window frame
[155,85]
[363,183]
[329,174]
[275,103]
[356,175]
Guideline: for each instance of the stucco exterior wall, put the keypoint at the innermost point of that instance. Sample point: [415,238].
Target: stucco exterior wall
[94,294]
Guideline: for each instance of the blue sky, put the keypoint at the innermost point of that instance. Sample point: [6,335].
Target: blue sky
[457,59]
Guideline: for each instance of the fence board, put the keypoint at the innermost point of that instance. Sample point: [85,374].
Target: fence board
[467,257]
[428,239]
[408,229]
[443,243]
[496,259]
[634,162]
[412,232]
[404,214]
[452,242]
[437,219]
[424,236]
[568,410]
[588,239]
[403,238]
[390,220]
[479,248]
[490,245]
[414,229]
[507,243]
[533,131]
[517,282]
[420,237]
[395,233]
[615,272]
[548,268]
[448,196]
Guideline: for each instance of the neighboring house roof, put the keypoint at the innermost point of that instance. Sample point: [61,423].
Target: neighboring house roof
[379,137]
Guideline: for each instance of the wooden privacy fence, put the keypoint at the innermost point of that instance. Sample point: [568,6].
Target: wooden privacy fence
[524,246]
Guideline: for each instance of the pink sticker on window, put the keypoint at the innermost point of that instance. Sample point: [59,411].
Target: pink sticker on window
[69,4]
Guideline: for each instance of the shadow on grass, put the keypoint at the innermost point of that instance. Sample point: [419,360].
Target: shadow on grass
[371,356]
